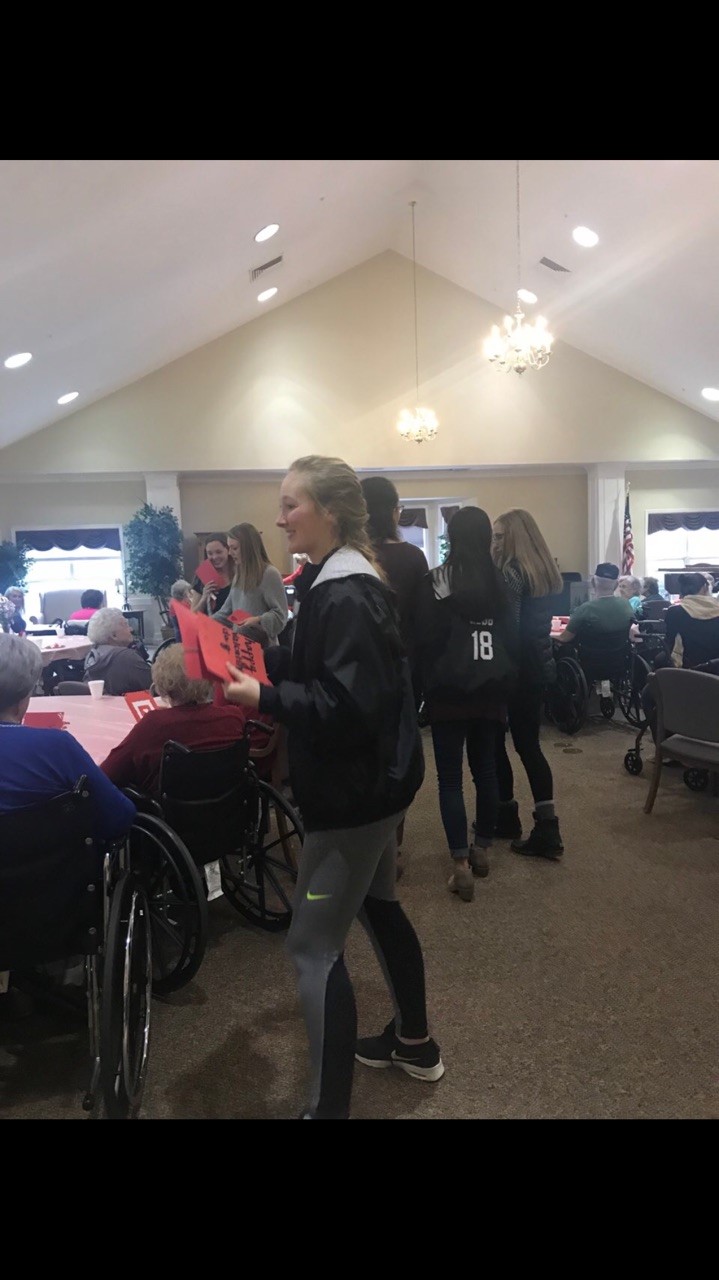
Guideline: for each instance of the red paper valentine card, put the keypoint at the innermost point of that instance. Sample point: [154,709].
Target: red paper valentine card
[45,719]
[220,645]
[239,616]
[188,623]
[207,573]
[140,703]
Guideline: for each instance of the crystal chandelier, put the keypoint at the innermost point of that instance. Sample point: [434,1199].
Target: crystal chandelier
[522,345]
[421,424]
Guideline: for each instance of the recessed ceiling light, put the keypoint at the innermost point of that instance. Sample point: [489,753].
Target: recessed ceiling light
[585,237]
[71,395]
[267,232]
[266,294]
[15,362]
[710,393]
[526,295]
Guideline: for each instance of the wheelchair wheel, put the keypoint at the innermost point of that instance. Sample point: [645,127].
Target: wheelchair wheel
[633,762]
[629,691]
[177,900]
[607,708]
[165,645]
[696,779]
[126,992]
[567,698]
[259,879]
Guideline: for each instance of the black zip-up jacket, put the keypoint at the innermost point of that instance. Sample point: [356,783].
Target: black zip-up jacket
[537,667]
[355,753]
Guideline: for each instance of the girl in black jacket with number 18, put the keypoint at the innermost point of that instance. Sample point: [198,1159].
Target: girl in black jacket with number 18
[464,654]
[532,576]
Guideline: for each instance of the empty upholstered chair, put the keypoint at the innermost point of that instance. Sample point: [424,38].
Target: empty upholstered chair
[687,722]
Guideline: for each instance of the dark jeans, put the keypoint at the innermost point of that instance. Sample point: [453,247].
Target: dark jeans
[449,737]
[525,711]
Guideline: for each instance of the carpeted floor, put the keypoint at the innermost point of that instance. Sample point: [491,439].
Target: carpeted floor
[583,989]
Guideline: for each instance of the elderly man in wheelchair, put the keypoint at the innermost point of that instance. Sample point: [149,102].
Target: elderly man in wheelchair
[595,652]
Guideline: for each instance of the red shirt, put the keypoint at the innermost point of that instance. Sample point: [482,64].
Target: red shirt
[135,762]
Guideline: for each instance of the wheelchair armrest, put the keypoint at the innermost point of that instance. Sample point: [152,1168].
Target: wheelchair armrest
[260,724]
[259,753]
[143,803]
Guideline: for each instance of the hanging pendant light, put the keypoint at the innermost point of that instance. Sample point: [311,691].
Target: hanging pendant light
[419,424]
[522,345]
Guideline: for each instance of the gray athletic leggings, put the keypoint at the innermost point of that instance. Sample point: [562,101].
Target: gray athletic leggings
[345,874]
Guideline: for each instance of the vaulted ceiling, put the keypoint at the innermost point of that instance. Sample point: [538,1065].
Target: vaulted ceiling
[110,269]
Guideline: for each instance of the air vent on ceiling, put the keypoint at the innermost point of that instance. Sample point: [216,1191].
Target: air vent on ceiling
[553,266]
[266,266]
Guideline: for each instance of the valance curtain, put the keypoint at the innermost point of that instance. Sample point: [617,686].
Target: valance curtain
[447,513]
[416,516]
[683,520]
[69,539]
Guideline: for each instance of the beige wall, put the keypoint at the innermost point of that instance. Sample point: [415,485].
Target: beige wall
[213,506]
[557,501]
[64,504]
[668,491]
[328,373]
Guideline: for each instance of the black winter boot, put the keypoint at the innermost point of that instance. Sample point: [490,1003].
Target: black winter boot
[544,840]
[508,825]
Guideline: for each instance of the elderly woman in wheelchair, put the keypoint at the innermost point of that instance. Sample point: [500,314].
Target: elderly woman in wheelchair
[66,893]
[203,769]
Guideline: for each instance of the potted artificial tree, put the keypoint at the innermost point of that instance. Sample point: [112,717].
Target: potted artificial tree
[14,565]
[153,557]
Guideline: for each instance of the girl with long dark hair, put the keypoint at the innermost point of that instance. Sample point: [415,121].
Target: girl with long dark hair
[465,644]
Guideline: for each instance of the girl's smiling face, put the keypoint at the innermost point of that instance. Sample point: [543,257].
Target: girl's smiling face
[217,554]
[309,528]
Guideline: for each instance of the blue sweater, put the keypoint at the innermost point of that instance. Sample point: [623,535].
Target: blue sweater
[38,764]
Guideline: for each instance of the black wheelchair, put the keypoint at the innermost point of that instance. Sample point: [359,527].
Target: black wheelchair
[609,664]
[60,898]
[243,838]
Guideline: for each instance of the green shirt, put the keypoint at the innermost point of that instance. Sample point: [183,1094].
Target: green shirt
[597,617]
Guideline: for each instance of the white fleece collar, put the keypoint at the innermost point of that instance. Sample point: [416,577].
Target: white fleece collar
[344,562]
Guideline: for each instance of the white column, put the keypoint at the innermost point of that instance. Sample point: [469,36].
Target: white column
[605,490]
[163,490]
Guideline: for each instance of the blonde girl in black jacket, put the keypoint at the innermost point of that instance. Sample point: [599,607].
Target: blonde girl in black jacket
[532,576]
[355,760]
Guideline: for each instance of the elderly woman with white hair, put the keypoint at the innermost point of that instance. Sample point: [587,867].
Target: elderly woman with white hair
[111,658]
[38,764]
[189,718]
[630,588]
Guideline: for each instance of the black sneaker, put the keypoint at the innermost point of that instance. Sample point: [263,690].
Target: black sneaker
[422,1061]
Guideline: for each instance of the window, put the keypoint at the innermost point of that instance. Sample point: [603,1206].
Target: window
[677,549]
[84,567]
[437,513]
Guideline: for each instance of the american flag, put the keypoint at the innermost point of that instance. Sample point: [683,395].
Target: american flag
[628,543]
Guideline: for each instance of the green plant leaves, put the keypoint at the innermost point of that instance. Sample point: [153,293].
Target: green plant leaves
[153,553]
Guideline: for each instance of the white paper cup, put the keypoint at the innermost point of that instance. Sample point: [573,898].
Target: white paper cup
[96,687]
